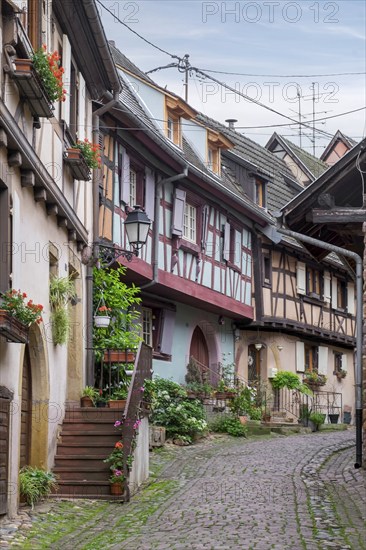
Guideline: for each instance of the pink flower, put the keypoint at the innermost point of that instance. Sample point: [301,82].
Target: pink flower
[142,388]
[117,473]
[117,423]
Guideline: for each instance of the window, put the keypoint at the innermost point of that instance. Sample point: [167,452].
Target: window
[170,129]
[190,223]
[5,239]
[147,326]
[173,130]
[214,159]
[341,294]
[260,193]
[338,362]
[311,358]
[267,270]
[74,102]
[133,188]
[313,282]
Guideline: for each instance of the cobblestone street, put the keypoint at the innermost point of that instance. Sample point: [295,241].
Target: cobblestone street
[285,493]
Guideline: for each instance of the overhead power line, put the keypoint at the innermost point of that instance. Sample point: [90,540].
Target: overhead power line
[283,75]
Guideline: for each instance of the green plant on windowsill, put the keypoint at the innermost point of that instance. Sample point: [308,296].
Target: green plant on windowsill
[340,374]
[313,378]
[35,483]
[119,393]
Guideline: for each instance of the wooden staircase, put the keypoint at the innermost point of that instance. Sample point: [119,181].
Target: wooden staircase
[87,438]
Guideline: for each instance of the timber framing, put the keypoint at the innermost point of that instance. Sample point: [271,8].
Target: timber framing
[31,163]
[338,215]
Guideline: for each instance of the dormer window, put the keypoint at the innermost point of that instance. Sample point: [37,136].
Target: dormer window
[176,109]
[215,143]
[260,193]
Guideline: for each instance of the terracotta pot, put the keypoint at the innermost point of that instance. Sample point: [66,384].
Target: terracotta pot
[243,420]
[119,356]
[23,65]
[117,403]
[74,153]
[116,489]
[86,401]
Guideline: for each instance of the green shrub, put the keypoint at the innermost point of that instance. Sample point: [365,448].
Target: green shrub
[289,380]
[255,413]
[35,483]
[172,409]
[317,418]
[228,424]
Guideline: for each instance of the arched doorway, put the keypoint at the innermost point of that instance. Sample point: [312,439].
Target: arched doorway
[254,364]
[199,348]
[26,411]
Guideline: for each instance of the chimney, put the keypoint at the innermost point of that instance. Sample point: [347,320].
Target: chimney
[231,123]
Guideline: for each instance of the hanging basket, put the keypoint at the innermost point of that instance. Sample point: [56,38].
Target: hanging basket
[102,321]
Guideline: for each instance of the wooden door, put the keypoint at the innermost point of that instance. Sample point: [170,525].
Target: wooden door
[254,364]
[4,451]
[199,349]
[26,412]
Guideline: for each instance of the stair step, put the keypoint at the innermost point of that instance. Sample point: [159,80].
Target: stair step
[88,425]
[83,489]
[82,461]
[92,415]
[81,473]
[74,449]
[107,437]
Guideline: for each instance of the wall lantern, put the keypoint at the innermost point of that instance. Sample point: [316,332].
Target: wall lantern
[258,346]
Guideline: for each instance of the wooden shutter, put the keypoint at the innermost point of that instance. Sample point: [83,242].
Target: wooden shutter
[351,298]
[150,193]
[226,247]
[327,295]
[66,63]
[82,108]
[124,160]
[322,360]
[205,220]
[167,331]
[300,356]
[334,293]
[301,278]
[344,362]
[4,450]
[178,212]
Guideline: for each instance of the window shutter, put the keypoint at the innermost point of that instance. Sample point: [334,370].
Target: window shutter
[66,63]
[205,219]
[344,362]
[334,293]
[150,193]
[178,214]
[351,298]
[301,278]
[322,360]
[124,163]
[226,249]
[300,356]
[167,331]
[82,103]
[327,295]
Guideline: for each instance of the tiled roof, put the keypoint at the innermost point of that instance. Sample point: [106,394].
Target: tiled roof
[265,163]
[315,165]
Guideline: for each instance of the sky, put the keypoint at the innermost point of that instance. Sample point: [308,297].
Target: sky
[271,43]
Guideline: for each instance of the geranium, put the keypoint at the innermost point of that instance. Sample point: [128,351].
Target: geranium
[90,151]
[49,69]
[103,309]
[13,301]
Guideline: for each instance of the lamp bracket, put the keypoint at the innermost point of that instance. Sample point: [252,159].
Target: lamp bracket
[109,254]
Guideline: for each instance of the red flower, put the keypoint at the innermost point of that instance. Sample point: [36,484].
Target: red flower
[119,445]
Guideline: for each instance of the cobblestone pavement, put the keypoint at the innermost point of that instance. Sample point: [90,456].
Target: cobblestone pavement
[282,493]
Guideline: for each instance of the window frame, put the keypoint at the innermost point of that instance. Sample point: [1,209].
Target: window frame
[342,294]
[192,224]
[311,358]
[260,192]
[267,258]
[314,282]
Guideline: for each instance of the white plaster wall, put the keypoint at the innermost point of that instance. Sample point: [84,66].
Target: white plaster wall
[187,319]
[140,468]
[196,136]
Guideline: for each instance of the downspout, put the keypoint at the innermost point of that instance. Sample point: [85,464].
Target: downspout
[159,187]
[359,305]
[89,277]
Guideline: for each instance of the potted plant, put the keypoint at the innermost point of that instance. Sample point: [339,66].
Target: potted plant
[35,483]
[101,401]
[316,419]
[89,151]
[62,291]
[117,478]
[304,414]
[89,396]
[17,314]
[340,374]
[118,398]
[224,392]
[102,318]
[314,380]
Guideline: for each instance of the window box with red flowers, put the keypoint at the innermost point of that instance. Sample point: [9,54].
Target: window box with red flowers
[17,315]
[82,158]
[39,81]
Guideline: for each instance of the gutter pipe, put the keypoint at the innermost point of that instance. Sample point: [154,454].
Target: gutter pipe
[159,187]
[113,100]
[359,304]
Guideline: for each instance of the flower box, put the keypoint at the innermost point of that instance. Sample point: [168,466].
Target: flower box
[77,163]
[117,403]
[224,395]
[12,329]
[119,356]
[31,88]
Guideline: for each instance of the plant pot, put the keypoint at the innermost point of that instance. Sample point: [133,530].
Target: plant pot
[243,420]
[12,329]
[119,356]
[333,418]
[75,159]
[224,395]
[129,372]
[116,489]
[86,401]
[102,321]
[31,88]
[314,427]
[117,403]
[101,404]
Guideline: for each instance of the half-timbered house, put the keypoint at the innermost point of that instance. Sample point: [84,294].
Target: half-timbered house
[338,146]
[45,218]
[304,309]
[195,272]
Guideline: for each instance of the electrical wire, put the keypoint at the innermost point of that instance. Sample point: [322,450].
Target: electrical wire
[137,34]
[282,75]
